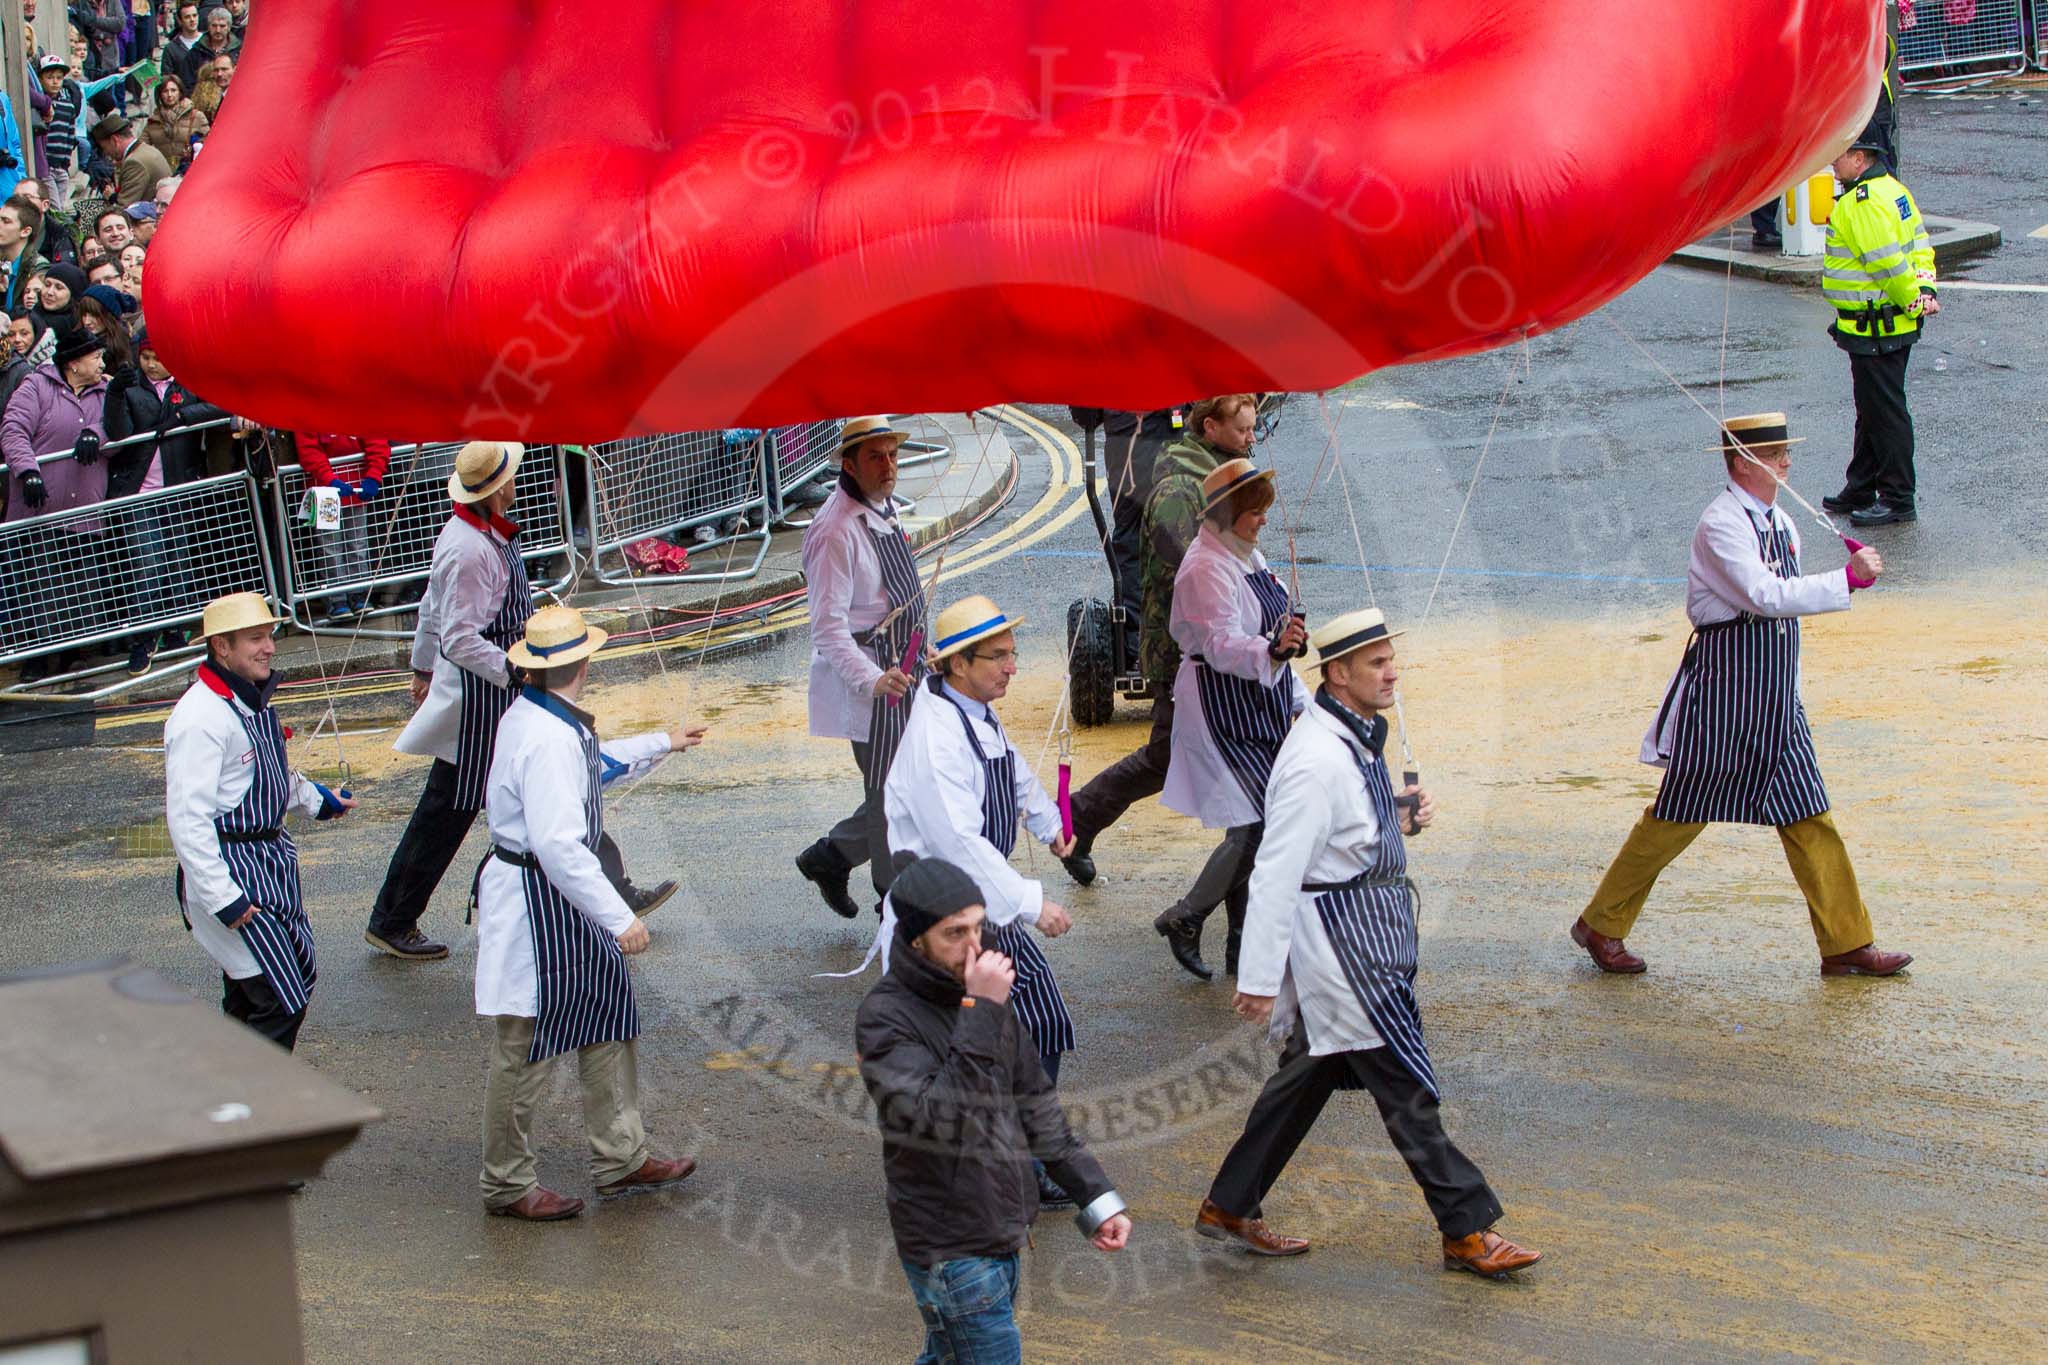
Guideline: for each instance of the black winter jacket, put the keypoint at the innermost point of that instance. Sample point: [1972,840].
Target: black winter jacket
[134,408]
[963,1106]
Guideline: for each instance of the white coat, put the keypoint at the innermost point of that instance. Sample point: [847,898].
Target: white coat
[1320,827]
[465,589]
[208,766]
[843,583]
[933,801]
[1727,576]
[534,803]
[1215,615]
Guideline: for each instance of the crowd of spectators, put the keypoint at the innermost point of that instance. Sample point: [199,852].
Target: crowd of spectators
[118,117]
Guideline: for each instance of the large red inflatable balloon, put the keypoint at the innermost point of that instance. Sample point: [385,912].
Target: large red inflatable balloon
[537,219]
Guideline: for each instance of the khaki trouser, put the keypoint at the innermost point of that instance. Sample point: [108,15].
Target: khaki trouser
[1841,922]
[611,1111]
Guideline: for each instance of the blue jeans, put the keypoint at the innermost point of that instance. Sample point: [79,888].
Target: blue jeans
[966,1308]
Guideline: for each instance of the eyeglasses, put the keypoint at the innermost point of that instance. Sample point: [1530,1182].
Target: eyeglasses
[1001,656]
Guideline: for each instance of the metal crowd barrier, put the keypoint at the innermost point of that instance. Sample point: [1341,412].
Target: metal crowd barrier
[389,542]
[1963,40]
[801,454]
[2040,35]
[654,485]
[134,566]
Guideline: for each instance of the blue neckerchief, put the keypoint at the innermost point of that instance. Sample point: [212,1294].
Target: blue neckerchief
[562,710]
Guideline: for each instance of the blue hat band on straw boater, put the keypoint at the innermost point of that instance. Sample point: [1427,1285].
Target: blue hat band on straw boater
[959,635]
[485,481]
[544,650]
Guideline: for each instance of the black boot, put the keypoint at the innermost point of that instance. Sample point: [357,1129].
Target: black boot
[1848,500]
[1050,1195]
[1183,934]
[1080,865]
[1883,513]
[824,868]
[1234,906]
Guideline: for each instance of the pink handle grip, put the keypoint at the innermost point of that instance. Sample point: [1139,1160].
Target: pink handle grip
[1853,543]
[1857,581]
[910,657]
[1066,800]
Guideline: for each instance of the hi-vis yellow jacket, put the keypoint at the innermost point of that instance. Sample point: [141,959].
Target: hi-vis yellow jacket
[1879,265]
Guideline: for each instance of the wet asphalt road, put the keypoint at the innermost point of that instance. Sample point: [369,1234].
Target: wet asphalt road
[1724,1159]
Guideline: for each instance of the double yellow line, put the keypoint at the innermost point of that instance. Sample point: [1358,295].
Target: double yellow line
[1055,509]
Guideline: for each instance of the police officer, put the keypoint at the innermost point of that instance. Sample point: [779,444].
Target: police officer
[1879,275]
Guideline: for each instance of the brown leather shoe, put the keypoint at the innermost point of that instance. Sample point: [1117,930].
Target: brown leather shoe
[652,1175]
[1488,1253]
[1608,954]
[1250,1233]
[1864,961]
[539,1205]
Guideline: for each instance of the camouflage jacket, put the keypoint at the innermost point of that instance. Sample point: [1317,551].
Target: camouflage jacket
[1173,514]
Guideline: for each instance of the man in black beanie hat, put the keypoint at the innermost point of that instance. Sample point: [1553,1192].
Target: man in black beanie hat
[957,1086]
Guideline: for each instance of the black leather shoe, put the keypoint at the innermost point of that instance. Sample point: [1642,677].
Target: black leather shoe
[1759,242]
[645,903]
[1080,864]
[1184,937]
[1882,513]
[412,945]
[1846,501]
[827,871]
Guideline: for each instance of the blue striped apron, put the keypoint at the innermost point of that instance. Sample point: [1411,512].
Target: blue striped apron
[585,995]
[484,703]
[1035,997]
[887,644]
[264,863]
[1741,750]
[1370,922]
[1249,720]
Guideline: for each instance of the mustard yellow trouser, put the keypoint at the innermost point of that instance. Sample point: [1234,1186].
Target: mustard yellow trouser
[1841,922]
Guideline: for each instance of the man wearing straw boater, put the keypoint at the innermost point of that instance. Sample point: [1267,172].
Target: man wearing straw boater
[477,603]
[867,617]
[1329,958]
[228,786]
[959,790]
[1731,734]
[552,933]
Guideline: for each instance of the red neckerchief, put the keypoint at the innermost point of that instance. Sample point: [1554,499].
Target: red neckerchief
[218,685]
[464,512]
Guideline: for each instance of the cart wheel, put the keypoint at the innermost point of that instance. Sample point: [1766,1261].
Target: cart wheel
[1091,662]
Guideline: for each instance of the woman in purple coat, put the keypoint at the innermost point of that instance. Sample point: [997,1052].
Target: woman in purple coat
[58,573]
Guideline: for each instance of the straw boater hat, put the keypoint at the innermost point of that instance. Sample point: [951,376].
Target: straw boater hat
[482,468]
[236,611]
[860,429]
[968,622]
[1227,478]
[1756,431]
[556,636]
[1352,631]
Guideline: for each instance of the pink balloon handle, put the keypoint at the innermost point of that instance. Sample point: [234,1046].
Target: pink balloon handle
[910,658]
[1066,800]
[1853,543]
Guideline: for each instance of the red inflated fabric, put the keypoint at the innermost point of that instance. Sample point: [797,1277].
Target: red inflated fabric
[539,220]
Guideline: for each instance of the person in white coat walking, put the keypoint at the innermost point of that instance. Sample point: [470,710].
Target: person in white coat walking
[552,932]
[1732,735]
[1329,963]
[227,788]
[867,610]
[1237,696]
[477,602]
[959,790]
